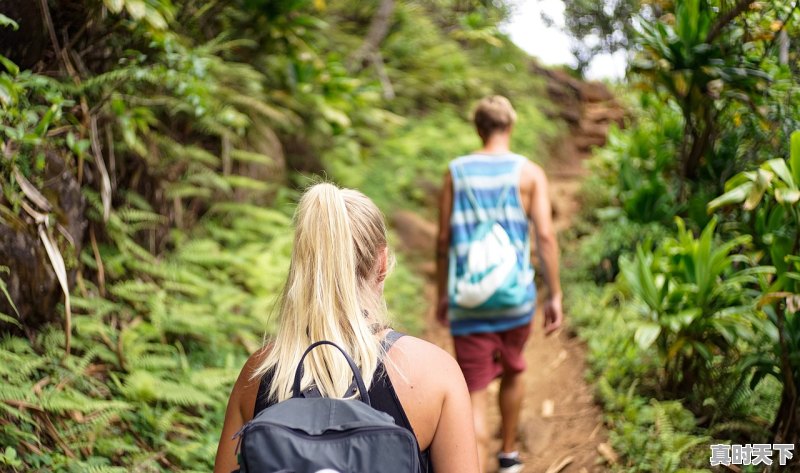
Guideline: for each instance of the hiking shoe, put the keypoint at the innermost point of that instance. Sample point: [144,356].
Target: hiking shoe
[509,464]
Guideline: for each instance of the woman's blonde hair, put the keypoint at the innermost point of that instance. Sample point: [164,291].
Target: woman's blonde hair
[333,292]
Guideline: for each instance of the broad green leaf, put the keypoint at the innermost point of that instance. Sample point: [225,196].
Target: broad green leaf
[794,156]
[137,8]
[685,318]
[6,21]
[702,350]
[9,65]
[646,281]
[733,196]
[155,19]
[740,179]
[779,167]
[5,93]
[47,119]
[646,334]
[760,186]
[114,6]
[787,196]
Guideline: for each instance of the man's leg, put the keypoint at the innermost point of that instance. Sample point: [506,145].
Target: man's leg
[512,384]
[475,354]
[479,406]
[512,390]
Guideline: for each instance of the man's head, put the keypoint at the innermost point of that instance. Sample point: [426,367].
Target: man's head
[493,115]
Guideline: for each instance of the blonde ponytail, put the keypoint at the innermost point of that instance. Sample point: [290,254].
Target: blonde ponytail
[332,292]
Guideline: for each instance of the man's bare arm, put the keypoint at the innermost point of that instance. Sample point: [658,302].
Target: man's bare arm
[547,244]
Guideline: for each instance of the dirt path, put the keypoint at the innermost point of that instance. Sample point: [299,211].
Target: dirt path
[561,425]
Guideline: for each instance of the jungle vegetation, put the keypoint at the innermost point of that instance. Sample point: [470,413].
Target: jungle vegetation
[690,238]
[152,151]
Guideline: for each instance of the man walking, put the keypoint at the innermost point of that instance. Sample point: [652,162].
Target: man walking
[484,276]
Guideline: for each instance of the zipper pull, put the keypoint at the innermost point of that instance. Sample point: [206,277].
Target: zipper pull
[240,432]
[239,435]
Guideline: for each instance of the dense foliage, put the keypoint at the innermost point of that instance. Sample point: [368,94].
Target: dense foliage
[151,155]
[690,238]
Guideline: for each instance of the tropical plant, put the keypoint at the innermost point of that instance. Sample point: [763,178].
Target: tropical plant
[637,165]
[649,434]
[707,54]
[770,197]
[177,126]
[697,58]
[695,305]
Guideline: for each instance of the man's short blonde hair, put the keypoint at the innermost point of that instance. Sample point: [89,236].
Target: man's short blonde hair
[493,114]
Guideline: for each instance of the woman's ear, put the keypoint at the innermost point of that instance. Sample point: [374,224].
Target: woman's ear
[383,264]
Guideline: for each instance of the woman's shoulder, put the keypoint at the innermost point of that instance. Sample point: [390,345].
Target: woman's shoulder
[422,362]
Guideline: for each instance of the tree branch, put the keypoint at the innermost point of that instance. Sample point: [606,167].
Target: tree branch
[781,30]
[726,18]
[378,29]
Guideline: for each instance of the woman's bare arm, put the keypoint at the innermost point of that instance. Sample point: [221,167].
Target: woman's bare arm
[454,447]
[240,410]
[434,395]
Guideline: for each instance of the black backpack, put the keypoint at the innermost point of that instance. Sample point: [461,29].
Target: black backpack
[315,434]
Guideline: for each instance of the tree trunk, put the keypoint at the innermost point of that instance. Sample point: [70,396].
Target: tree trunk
[378,29]
[31,281]
[697,139]
[783,47]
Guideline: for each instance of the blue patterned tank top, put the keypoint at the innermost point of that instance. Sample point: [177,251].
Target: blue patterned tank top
[487,175]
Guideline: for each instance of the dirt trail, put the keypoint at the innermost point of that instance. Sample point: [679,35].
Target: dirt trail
[572,429]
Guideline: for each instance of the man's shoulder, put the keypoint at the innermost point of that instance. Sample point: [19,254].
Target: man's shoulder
[464,158]
[488,158]
[532,171]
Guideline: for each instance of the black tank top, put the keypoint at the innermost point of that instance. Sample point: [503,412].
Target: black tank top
[382,396]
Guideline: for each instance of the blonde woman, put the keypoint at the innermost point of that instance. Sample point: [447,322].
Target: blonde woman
[334,292]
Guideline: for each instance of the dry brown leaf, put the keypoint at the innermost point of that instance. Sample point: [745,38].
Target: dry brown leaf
[105,181]
[548,407]
[31,192]
[556,467]
[57,261]
[608,453]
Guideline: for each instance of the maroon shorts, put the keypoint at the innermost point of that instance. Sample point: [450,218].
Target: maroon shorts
[485,356]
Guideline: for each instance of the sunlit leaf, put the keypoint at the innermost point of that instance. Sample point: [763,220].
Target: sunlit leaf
[780,169]
[136,8]
[759,188]
[733,196]
[155,19]
[114,6]
[794,156]
[787,196]
[6,21]
[9,65]
[646,334]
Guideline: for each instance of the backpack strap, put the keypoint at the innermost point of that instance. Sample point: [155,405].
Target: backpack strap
[470,195]
[386,344]
[390,339]
[298,375]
